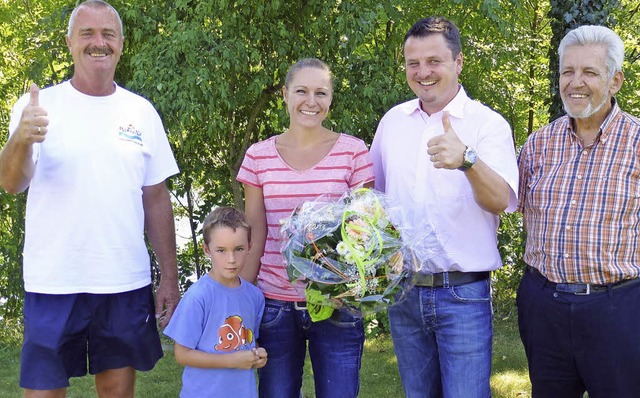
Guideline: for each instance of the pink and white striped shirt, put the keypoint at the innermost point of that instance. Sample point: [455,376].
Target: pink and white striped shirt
[347,165]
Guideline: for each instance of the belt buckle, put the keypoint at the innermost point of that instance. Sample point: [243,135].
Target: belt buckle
[428,279]
[425,280]
[298,307]
[585,293]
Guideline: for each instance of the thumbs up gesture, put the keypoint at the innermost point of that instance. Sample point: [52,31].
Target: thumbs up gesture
[446,149]
[34,121]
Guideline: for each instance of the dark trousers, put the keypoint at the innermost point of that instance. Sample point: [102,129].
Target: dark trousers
[577,343]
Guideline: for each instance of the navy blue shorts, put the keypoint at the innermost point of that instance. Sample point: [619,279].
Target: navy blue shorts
[62,331]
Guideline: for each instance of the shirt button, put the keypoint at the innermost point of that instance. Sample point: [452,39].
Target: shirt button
[568,227]
[579,177]
[584,153]
[573,202]
[566,255]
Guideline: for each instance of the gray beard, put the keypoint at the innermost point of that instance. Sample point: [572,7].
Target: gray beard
[588,111]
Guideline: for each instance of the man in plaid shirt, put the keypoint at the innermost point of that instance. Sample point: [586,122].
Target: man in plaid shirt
[579,300]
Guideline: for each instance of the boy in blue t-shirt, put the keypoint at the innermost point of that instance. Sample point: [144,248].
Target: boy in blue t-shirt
[217,321]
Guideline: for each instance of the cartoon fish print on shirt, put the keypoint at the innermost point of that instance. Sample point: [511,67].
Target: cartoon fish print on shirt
[232,334]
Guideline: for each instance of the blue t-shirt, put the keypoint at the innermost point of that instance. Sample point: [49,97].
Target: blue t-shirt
[217,319]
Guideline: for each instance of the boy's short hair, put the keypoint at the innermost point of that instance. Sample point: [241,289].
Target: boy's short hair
[225,216]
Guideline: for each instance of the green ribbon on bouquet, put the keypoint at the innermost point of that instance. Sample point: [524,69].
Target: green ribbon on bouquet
[317,310]
[316,301]
[360,261]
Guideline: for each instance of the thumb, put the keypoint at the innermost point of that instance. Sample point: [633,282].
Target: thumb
[446,124]
[34,100]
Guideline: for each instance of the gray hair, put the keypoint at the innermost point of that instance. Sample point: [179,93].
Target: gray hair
[599,35]
[92,4]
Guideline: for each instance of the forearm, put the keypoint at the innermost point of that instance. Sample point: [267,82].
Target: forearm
[16,165]
[252,265]
[243,359]
[160,227]
[490,191]
[201,359]
[256,215]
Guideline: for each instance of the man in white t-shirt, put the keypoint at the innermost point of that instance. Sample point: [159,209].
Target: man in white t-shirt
[95,158]
[449,162]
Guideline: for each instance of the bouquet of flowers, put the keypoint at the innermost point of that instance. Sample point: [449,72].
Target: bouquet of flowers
[348,252]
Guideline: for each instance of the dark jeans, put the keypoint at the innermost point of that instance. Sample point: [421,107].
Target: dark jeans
[335,349]
[577,343]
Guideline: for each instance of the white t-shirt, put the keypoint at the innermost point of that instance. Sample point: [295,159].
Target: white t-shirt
[440,215]
[84,227]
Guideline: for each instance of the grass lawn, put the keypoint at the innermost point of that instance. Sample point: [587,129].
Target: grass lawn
[379,375]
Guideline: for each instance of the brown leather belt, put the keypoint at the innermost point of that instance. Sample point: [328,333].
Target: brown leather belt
[454,278]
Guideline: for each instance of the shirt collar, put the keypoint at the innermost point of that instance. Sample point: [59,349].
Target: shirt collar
[457,104]
[605,127]
[606,123]
[455,107]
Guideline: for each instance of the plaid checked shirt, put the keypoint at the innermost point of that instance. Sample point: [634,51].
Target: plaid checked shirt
[581,205]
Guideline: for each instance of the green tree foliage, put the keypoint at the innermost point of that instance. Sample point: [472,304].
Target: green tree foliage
[628,28]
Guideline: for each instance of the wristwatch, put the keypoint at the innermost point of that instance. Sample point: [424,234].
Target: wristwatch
[470,157]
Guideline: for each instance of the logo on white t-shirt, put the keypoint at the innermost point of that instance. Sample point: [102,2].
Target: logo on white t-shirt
[130,134]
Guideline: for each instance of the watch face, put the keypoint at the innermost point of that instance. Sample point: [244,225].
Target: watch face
[470,156]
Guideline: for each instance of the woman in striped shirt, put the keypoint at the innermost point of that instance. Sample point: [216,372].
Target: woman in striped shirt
[280,174]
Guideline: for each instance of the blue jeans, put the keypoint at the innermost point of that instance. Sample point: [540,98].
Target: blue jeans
[442,339]
[335,349]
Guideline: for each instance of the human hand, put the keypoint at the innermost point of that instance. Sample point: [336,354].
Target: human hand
[446,150]
[262,357]
[245,359]
[167,298]
[34,121]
